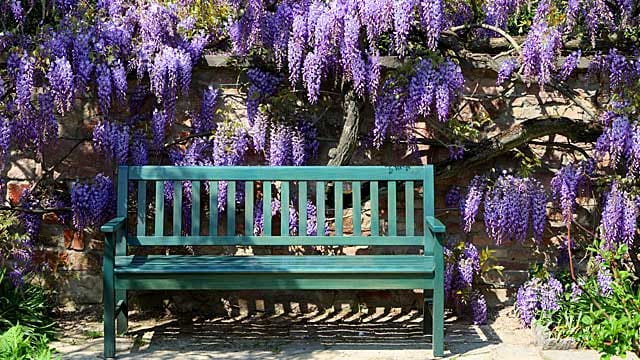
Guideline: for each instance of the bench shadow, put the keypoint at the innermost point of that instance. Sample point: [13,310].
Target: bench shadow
[307,333]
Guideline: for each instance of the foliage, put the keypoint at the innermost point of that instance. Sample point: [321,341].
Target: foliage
[29,306]
[600,310]
[463,267]
[17,343]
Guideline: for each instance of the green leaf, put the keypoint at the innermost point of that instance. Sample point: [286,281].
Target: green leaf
[587,320]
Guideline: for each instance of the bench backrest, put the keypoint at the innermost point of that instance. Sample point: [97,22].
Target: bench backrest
[289,184]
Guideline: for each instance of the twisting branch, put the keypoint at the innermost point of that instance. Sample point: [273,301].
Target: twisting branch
[34,211]
[502,33]
[54,166]
[452,41]
[520,134]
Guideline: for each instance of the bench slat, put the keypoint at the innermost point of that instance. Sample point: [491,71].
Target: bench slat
[357,209]
[375,211]
[213,208]
[248,207]
[312,264]
[266,205]
[177,207]
[142,208]
[409,207]
[320,207]
[246,240]
[159,215]
[283,173]
[195,208]
[284,208]
[338,213]
[302,207]
[276,281]
[391,208]
[231,208]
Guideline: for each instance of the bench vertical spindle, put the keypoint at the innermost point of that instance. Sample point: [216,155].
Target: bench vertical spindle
[357,209]
[248,208]
[302,208]
[266,206]
[213,208]
[159,213]
[195,208]
[177,208]
[391,208]
[320,207]
[284,208]
[409,208]
[338,191]
[375,211]
[141,217]
[231,208]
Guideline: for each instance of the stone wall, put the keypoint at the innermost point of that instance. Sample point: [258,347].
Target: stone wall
[76,258]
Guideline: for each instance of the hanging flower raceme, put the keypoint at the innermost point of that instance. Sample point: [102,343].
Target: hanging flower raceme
[112,141]
[262,85]
[513,207]
[60,78]
[566,185]
[462,269]
[536,295]
[432,90]
[619,217]
[93,203]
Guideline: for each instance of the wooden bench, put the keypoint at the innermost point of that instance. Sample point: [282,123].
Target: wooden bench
[423,269]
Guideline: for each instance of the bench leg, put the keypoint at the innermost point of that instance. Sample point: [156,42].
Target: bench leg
[438,321]
[427,324]
[123,314]
[109,323]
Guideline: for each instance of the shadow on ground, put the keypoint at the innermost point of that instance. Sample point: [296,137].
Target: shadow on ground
[384,334]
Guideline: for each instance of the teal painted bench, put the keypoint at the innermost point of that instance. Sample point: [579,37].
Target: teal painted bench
[423,270]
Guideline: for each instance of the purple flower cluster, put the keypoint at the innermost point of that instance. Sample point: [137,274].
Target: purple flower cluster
[5,141]
[540,49]
[506,69]
[112,141]
[292,145]
[431,91]
[139,149]
[92,204]
[453,197]
[470,205]
[262,85]
[536,295]
[619,139]
[462,267]
[619,217]
[230,143]
[60,77]
[569,65]
[566,184]
[204,121]
[511,205]
[30,221]
[498,11]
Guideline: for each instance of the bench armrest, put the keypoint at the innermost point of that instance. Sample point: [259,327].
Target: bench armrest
[435,225]
[113,225]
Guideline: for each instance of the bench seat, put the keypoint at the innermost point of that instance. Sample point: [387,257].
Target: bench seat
[308,264]
[362,272]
